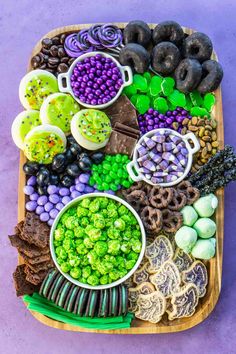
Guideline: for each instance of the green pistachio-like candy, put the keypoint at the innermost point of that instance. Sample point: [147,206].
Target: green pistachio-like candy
[186,238]
[204,249]
[190,215]
[205,227]
[206,206]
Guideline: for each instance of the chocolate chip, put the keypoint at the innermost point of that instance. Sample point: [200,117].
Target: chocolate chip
[53,61]
[56,40]
[52,66]
[64,60]
[47,42]
[71,61]
[45,51]
[62,38]
[61,52]
[62,68]
[54,51]
[36,61]
[43,66]
[45,58]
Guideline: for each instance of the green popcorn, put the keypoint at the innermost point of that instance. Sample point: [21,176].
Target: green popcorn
[65,267]
[99,221]
[122,210]
[120,262]
[85,203]
[100,248]
[130,264]
[78,242]
[69,234]
[93,280]
[58,250]
[119,224]
[104,202]
[79,232]
[75,273]
[136,245]
[94,206]
[137,233]
[88,243]
[86,272]
[112,213]
[125,247]
[71,222]
[113,233]
[104,280]
[114,274]
[62,253]
[94,234]
[74,261]
[68,244]
[113,247]
[127,235]
[59,234]
[92,257]
[82,211]
[132,256]
[81,249]
[84,221]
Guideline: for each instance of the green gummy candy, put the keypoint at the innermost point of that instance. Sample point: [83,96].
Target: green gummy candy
[177,98]
[130,90]
[167,85]
[196,98]
[147,76]
[189,104]
[161,105]
[199,112]
[155,85]
[142,104]
[209,101]
[140,83]
[134,98]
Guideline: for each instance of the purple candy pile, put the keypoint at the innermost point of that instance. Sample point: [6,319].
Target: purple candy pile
[95,38]
[163,157]
[152,119]
[96,80]
[48,206]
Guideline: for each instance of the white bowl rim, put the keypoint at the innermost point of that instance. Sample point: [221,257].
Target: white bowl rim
[151,133]
[141,254]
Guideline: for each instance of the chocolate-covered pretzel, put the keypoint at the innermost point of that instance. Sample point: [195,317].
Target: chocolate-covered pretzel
[161,197]
[178,201]
[191,193]
[172,220]
[152,219]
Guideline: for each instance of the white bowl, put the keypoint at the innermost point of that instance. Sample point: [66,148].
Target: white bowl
[65,85]
[74,202]
[134,167]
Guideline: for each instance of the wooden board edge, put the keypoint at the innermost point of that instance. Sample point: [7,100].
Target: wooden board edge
[208,306]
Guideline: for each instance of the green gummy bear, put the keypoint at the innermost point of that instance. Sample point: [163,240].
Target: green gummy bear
[161,105]
[167,85]
[140,83]
[199,112]
[196,98]
[130,90]
[134,98]
[209,101]
[143,103]
[177,98]
[148,77]
[189,104]
[155,85]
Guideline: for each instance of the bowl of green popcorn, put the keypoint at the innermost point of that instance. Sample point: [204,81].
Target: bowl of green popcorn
[97,241]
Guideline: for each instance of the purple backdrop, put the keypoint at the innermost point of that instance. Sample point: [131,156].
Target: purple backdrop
[22,23]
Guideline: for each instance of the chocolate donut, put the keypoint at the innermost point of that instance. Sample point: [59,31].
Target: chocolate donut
[212,76]
[188,75]
[197,46]
[137,32]
[168,31]
[165,58]
[136,56]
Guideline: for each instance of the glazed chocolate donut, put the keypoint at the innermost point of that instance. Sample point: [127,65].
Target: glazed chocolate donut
[165,58]
[137,32]
[212,76]
[168,31]
[188,75]
[136,56]
[197,46]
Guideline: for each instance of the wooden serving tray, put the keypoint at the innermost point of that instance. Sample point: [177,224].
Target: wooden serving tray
[208,302]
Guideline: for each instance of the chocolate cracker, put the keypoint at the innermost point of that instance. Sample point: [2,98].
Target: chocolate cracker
[123,111]
[40,266]
[35,231]
[24,247]
[120,143]
[23,287]
[36,260]
[35,278]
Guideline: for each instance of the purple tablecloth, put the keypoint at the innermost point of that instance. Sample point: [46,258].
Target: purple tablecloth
[22,23]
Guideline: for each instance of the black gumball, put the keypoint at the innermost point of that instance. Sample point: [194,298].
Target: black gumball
[71,140]
[43,177]
[70,157]
[31,168]
[59,163]
[75,149]
[73,170]
[54,179]
[97,157]
[42,190]
[85,164]
[67,181]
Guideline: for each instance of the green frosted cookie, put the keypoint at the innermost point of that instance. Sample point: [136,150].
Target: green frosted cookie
[42,143]
[91,128]
[22,124]
[58,109]
[35,87]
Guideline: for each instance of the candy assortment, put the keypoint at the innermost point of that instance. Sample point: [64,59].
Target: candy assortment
[122,165]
